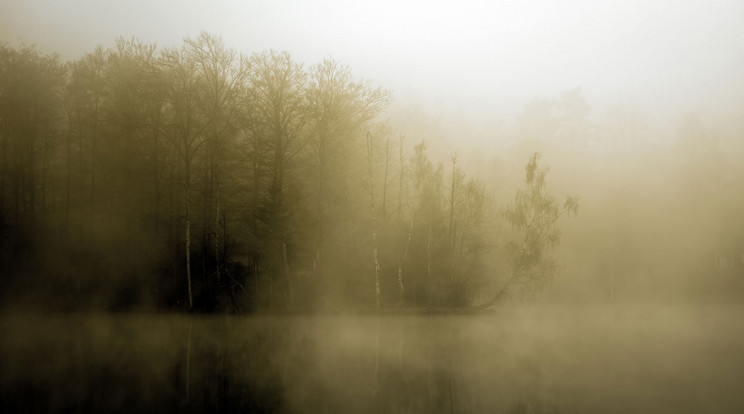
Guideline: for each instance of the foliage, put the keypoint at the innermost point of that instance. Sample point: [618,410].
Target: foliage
[199,178]
[534,215]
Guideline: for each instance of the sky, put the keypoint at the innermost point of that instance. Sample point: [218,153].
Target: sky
[479,57]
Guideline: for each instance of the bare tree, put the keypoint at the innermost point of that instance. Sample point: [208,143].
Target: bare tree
[186,130]
[276,112]
[85,96]
[223,73]
[339,110]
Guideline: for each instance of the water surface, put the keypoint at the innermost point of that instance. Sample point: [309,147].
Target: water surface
[518,360]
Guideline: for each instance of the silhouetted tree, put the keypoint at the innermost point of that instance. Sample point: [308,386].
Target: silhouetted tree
[30,86]
[276,111]
[223,74]
[339,111]
[186,129]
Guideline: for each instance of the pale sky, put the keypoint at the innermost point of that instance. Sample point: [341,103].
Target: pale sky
[470,55]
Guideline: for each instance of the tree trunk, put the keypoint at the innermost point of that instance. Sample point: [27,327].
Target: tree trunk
[188,233]
[377,267]
[81,168]
[401,287]
[69,169]
[216,205]
[94,155]
[285,269]
[451,229]
[385,181]
[496,297]
[373,212]
[400,178]
[428,264]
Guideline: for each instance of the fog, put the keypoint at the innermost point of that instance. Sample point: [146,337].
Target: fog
[519,361]
[479,57]
[337,206]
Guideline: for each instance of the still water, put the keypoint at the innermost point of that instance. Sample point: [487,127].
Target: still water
[649,359]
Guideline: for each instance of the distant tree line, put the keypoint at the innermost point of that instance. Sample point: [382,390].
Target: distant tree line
[200,178]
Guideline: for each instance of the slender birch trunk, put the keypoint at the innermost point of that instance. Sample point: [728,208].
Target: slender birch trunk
[428,263]
[400,178]
[374,223]
[451,230]
[187,199]
[385,182]
[377,268]
[401,286]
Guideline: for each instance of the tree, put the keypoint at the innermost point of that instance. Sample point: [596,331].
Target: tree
[86,93]
[424,179]
[29,107]
[223,74]
[186,129]
[534,215]
[276,117]
[339,111]
[30,85]
[430,182]
[138,157]
[469,241]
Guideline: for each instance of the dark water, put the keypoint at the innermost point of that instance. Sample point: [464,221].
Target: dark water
[519,360]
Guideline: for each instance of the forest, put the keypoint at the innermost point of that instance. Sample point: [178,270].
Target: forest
[200,178]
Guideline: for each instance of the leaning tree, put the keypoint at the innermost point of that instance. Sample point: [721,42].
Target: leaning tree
[534,215]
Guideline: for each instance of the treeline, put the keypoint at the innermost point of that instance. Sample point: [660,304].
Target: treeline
[200,178]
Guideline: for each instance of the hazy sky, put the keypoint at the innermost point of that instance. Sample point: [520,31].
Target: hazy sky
[481,56]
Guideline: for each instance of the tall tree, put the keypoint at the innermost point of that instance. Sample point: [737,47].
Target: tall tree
[276,114]
[30,85]
[223,73]
[87,90]
[339,111]
[29,108]
[534,215]
[186,130]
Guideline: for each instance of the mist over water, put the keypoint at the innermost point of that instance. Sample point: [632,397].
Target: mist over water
[388,207]
[609,359]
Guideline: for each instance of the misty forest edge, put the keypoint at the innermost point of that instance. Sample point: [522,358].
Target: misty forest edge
[201,179]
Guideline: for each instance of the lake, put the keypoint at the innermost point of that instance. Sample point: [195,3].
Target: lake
[520,359]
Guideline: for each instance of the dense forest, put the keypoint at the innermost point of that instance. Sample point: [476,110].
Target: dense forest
[200,178]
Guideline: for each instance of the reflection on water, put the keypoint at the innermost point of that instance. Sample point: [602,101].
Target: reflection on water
[519,360]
